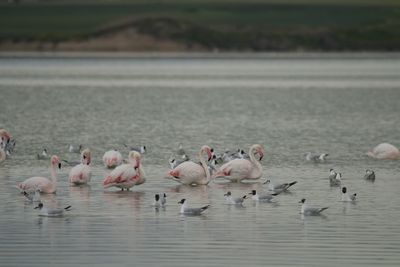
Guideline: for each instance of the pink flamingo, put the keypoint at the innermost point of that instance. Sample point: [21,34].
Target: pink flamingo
[127,175]
[384,151]
[112,158]
[81,173]
[4,136]
[191,173]
[239,169]
[45,185]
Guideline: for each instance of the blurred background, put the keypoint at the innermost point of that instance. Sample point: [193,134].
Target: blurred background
[199,25]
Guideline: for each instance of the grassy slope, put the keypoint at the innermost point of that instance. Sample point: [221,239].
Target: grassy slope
[237,25]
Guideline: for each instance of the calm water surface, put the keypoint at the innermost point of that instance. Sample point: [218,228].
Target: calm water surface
[341,104]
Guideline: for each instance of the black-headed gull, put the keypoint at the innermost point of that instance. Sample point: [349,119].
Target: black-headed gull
[191,211]
[262,198]
[305,210]
[369,175]
[46,212]
[234,201]
[346,197]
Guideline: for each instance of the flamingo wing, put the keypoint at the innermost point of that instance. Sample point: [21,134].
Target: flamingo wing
[121,174]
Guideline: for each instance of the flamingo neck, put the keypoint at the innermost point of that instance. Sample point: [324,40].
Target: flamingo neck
[53,175]
[204,165]
[253,159]
[2,154]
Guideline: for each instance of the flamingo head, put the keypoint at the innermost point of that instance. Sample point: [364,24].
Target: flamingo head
[86,156]
[134,158]
[259,150]
[55,161]
[209,152]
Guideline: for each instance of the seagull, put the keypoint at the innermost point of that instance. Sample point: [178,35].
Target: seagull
[163,199]
[34,198]
[140,149]
[369,175]
[337,180]
[191,211]
[234,201]
[71,163]
[51,212]
[180,150]
[316,158]
[73,149]
[43,155]
[262,198]
[346,197]
[310,211]
[157,201]
[332,174]
[279,187]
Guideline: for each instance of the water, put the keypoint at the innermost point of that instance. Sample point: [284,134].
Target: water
[339,104]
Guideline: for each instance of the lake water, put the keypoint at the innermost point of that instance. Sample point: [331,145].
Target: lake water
[341,104]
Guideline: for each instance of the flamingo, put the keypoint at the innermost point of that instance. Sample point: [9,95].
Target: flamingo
[112,158]
[47,186]
[239,169]
[191,173]
[81,174]
[127,175]
[384,151]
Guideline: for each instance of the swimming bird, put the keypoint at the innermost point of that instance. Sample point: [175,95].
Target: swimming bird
[112,158]
[234,201]
[160,200]
[191,173]
[191,211]
[46,212]
[75,149]
[173,163]
[71,163]
[346,197]
[332,174]
[33,198]
[279,187]
[47,186]
[384,151]
[127,175]
[180,150]
[369,175]
[262,198]
[43,155]
[81,173]
[305,210]
[140,149]
[239,169]
[337,180]
[316,158]
[163,199]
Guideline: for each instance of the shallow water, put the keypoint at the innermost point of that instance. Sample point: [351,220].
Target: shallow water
[341,104]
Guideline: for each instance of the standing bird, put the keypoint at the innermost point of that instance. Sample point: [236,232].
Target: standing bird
[384,151]
[45,212]
[81,173]
[45,185]
[127,175]
[369,175]
[191,173]
[239,169]
[346,197]
[191,211]
[234,201]
[305,210]
[112,158]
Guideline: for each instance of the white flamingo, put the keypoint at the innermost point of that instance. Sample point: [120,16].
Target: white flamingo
[127,175]
[47,186]
[384,151]
[239,169]
[191,173]
[81,173]
[112,158]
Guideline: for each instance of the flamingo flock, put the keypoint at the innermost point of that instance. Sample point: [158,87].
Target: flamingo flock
[125,174]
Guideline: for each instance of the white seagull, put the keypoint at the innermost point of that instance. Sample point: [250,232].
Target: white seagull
[234,201]
[191,211]
[305,210]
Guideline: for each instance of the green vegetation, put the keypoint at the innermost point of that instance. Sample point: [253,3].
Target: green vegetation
[220,24]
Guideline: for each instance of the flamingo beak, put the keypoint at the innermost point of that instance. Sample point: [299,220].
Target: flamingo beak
[261,154]
[209,155]
[59,165]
